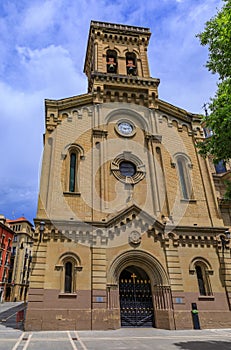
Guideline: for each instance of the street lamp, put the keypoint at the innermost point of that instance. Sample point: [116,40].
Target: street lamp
[227,233]
[41,230]
[225,239]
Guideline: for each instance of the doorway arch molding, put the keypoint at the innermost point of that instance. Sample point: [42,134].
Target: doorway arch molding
[142,259]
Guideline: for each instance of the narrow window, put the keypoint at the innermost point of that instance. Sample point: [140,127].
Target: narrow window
[72,182]
[68,277]
[183,182]
[200,280]
[13,251]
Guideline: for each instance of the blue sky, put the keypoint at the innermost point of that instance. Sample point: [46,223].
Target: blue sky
[43,43]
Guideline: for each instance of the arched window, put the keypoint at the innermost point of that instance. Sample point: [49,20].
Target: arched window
[200,280]
[68,266]
[73,169]
[68,277]
[183,165]
[203,279]
[111,60]
[131,64]
[72,156]
[201,268]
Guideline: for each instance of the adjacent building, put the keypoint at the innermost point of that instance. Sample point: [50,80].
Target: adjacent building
[129,230]
[20,263]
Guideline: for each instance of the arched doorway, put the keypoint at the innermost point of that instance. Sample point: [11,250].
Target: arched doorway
[136,304]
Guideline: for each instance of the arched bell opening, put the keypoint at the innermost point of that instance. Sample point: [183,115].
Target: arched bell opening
[111,61]
[136,303]
[131,63]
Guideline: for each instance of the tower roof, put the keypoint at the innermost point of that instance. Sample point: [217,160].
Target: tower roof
[115,27]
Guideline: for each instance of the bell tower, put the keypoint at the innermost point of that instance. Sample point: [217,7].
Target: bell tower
[116,65]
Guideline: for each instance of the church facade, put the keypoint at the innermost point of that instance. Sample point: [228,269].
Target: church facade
[129,231]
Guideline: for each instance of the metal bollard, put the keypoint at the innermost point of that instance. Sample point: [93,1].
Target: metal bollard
[195,317]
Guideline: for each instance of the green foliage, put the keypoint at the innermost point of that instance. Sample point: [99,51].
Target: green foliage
[217,36]
[219,121]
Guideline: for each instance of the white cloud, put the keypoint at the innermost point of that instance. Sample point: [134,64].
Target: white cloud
[40,15]
[179,59]
[50,69]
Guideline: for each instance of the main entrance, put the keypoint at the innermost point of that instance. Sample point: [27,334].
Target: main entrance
[136,306]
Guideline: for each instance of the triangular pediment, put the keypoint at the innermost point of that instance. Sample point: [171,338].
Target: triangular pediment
[127,215]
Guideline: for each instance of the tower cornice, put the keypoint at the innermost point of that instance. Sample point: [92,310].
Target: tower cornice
[114,27]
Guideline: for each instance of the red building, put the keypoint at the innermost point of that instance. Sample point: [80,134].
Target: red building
[6,239]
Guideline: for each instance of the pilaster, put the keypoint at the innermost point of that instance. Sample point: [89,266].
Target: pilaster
[173,265]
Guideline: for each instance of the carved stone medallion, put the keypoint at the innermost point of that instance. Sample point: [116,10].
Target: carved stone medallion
[135,237]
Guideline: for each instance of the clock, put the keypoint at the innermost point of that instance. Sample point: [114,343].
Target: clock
[125,128]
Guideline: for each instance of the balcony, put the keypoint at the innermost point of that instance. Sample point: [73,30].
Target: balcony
[2,246]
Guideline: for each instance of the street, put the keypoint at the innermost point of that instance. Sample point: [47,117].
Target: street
[141,338]
[12,315]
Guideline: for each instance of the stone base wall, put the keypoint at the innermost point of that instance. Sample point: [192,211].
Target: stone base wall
[164,319]
[52,310]
[99,319]
[208,319]
[75,319]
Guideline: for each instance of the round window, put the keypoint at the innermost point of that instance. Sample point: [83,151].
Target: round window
[127,169]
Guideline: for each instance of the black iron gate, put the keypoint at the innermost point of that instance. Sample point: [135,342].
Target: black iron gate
[136,306]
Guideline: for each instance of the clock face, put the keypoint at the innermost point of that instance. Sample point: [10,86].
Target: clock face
[125,128]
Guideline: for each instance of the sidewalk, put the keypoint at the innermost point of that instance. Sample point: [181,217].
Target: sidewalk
[9,305]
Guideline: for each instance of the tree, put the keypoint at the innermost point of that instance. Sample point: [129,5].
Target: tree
[217,36]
